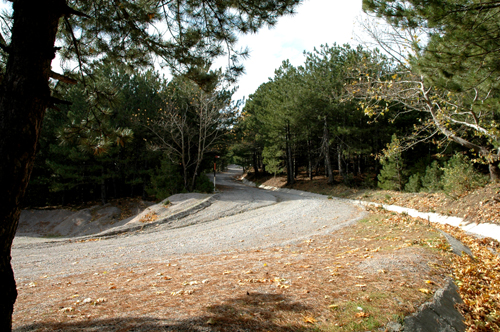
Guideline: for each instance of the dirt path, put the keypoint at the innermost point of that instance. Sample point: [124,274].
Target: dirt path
[241,217]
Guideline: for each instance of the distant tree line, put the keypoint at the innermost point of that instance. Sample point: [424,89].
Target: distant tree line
[361,117]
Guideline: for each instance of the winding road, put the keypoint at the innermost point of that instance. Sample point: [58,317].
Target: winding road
[239,217]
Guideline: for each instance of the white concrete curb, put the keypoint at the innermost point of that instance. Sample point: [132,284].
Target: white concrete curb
[482,230]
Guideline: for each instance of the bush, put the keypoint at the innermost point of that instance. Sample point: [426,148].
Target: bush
[165,180]
[203,184]
[459,176]
[414,184]
[369,181]
[392,174]
[272,159]
[431,181]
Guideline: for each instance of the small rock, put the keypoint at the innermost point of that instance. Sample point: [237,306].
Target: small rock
[440,315]
[457,246]
[393,327]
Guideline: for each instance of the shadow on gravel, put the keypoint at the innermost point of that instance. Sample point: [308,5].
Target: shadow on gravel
[251,312]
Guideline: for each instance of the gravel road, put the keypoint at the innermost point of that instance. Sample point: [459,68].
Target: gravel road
[240,217]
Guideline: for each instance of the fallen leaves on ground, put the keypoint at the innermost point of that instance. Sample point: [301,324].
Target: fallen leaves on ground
[244,291]
[478,279]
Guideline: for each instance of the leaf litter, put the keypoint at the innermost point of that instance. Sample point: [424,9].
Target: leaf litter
[315,284]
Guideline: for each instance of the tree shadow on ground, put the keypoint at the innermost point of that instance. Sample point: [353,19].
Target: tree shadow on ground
[251,312]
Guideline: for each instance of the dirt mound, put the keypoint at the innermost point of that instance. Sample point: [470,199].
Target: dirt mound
[100,218]
[68,222]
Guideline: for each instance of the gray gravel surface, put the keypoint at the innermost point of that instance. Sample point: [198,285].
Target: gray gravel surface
[240,217]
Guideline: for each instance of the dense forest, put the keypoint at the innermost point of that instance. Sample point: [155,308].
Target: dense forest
[416,112]
[342,115]
[403,115]
[129,133]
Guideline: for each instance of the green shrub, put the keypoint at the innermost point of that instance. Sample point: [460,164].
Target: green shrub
[272,158]
[203,184]
[166,180]
[431,181]
[392,175]
[414,183]
[459,176]
[369,181]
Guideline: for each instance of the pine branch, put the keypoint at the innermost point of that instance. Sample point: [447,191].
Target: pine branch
[77,50]
[67,11]
[54,100]
[62,78]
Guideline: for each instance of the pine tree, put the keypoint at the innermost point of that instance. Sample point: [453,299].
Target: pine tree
[392,175]
[122,30]
[461,60]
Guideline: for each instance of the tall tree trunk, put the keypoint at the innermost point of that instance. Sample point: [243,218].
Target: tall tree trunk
[295,168]
[255,163]
[309,161]
[339,160]
[289,164]
[494,172]
[326,146]
[359,164]
[24,96]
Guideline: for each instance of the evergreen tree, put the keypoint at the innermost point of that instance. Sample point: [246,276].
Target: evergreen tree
[460,60]
[459,176]
[431,181]
[124,31]
[392,175]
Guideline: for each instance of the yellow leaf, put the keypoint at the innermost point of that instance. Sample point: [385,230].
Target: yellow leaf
[362,314]
[424,290]
[309,320]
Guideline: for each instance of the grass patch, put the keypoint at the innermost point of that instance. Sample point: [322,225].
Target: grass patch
[52,236]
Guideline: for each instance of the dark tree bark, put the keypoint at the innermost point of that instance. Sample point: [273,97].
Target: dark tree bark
[339,160]
[359,164]
[494,172]
[289,162]
[24,97]
[309,160]
[255,163]
[326,146]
